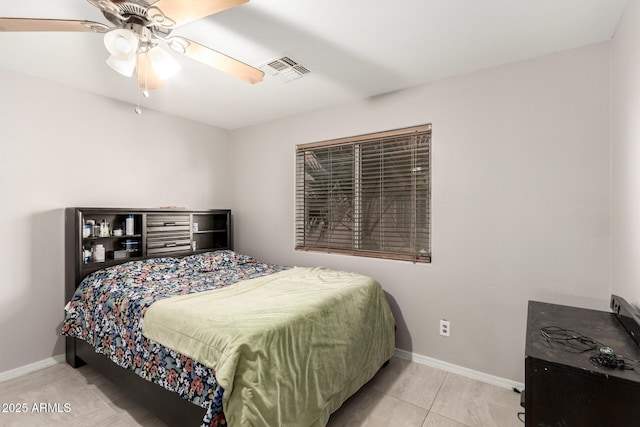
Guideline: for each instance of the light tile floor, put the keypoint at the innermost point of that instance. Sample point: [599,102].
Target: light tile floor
[409,394]
[403,394]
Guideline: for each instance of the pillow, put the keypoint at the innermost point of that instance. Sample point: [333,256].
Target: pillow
[210,261]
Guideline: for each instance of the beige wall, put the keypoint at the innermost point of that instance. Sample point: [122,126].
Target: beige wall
[62,147]
[520,201]
[625,158]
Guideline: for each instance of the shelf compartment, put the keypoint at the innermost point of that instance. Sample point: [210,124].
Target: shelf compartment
[208,222]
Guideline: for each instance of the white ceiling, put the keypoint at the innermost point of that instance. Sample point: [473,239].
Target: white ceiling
[354,49]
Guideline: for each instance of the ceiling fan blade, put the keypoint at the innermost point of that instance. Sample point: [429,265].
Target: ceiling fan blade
[28,24]
[216,59]
[147,77]
[182,12]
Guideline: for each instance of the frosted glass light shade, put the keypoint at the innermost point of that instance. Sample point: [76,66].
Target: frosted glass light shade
[121,44]
[163,64]
[122,66]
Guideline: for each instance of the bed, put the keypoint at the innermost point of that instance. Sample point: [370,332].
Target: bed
[254,344]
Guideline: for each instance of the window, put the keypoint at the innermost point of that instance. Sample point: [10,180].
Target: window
[367,195]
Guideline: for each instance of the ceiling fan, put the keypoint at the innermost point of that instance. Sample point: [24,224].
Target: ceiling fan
[138,27]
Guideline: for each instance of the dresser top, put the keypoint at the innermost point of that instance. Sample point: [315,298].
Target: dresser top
[602,326]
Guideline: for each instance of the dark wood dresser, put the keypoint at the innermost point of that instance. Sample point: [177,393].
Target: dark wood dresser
[563,387]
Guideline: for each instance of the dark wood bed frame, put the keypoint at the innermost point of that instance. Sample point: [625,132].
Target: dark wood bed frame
[169,407]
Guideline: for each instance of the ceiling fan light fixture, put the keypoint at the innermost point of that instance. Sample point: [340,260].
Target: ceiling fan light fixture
[122,66]
[121,43]
[163,64]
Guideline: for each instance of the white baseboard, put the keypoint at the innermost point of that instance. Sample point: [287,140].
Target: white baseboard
[403,354]
[27,369]
[460,370]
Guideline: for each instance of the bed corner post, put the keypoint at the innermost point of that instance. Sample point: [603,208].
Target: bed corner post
[71,272]
[70,353]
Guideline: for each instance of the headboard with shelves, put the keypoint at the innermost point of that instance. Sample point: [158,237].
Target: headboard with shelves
[155,233]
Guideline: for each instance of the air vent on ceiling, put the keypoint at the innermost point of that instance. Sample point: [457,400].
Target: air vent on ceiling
[285,67]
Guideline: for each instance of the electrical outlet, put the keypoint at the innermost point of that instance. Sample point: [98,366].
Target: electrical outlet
[445,328]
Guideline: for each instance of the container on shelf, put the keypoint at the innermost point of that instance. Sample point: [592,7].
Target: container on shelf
[99,253]
[129,226]
[105,229]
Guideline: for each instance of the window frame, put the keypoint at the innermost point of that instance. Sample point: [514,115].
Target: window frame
[302,184]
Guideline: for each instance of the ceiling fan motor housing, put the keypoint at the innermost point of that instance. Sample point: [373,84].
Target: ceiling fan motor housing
[137,12]
[145,35]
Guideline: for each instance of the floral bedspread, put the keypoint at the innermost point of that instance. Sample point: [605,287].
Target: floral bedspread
[108,310]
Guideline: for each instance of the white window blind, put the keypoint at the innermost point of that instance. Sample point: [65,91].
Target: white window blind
[367,195]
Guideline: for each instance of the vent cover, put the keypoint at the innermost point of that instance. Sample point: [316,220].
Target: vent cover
[285,67]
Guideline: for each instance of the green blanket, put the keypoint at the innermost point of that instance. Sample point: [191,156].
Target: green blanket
[288,348]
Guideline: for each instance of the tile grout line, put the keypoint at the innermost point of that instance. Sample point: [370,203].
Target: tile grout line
[434,400]
[446,375]
[430,410]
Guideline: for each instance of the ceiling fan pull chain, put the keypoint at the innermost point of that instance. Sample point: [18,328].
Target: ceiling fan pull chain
[146,67]
[137,109]
[145,90]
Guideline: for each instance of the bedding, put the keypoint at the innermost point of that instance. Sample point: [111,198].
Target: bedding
[288,348]
[110,307]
